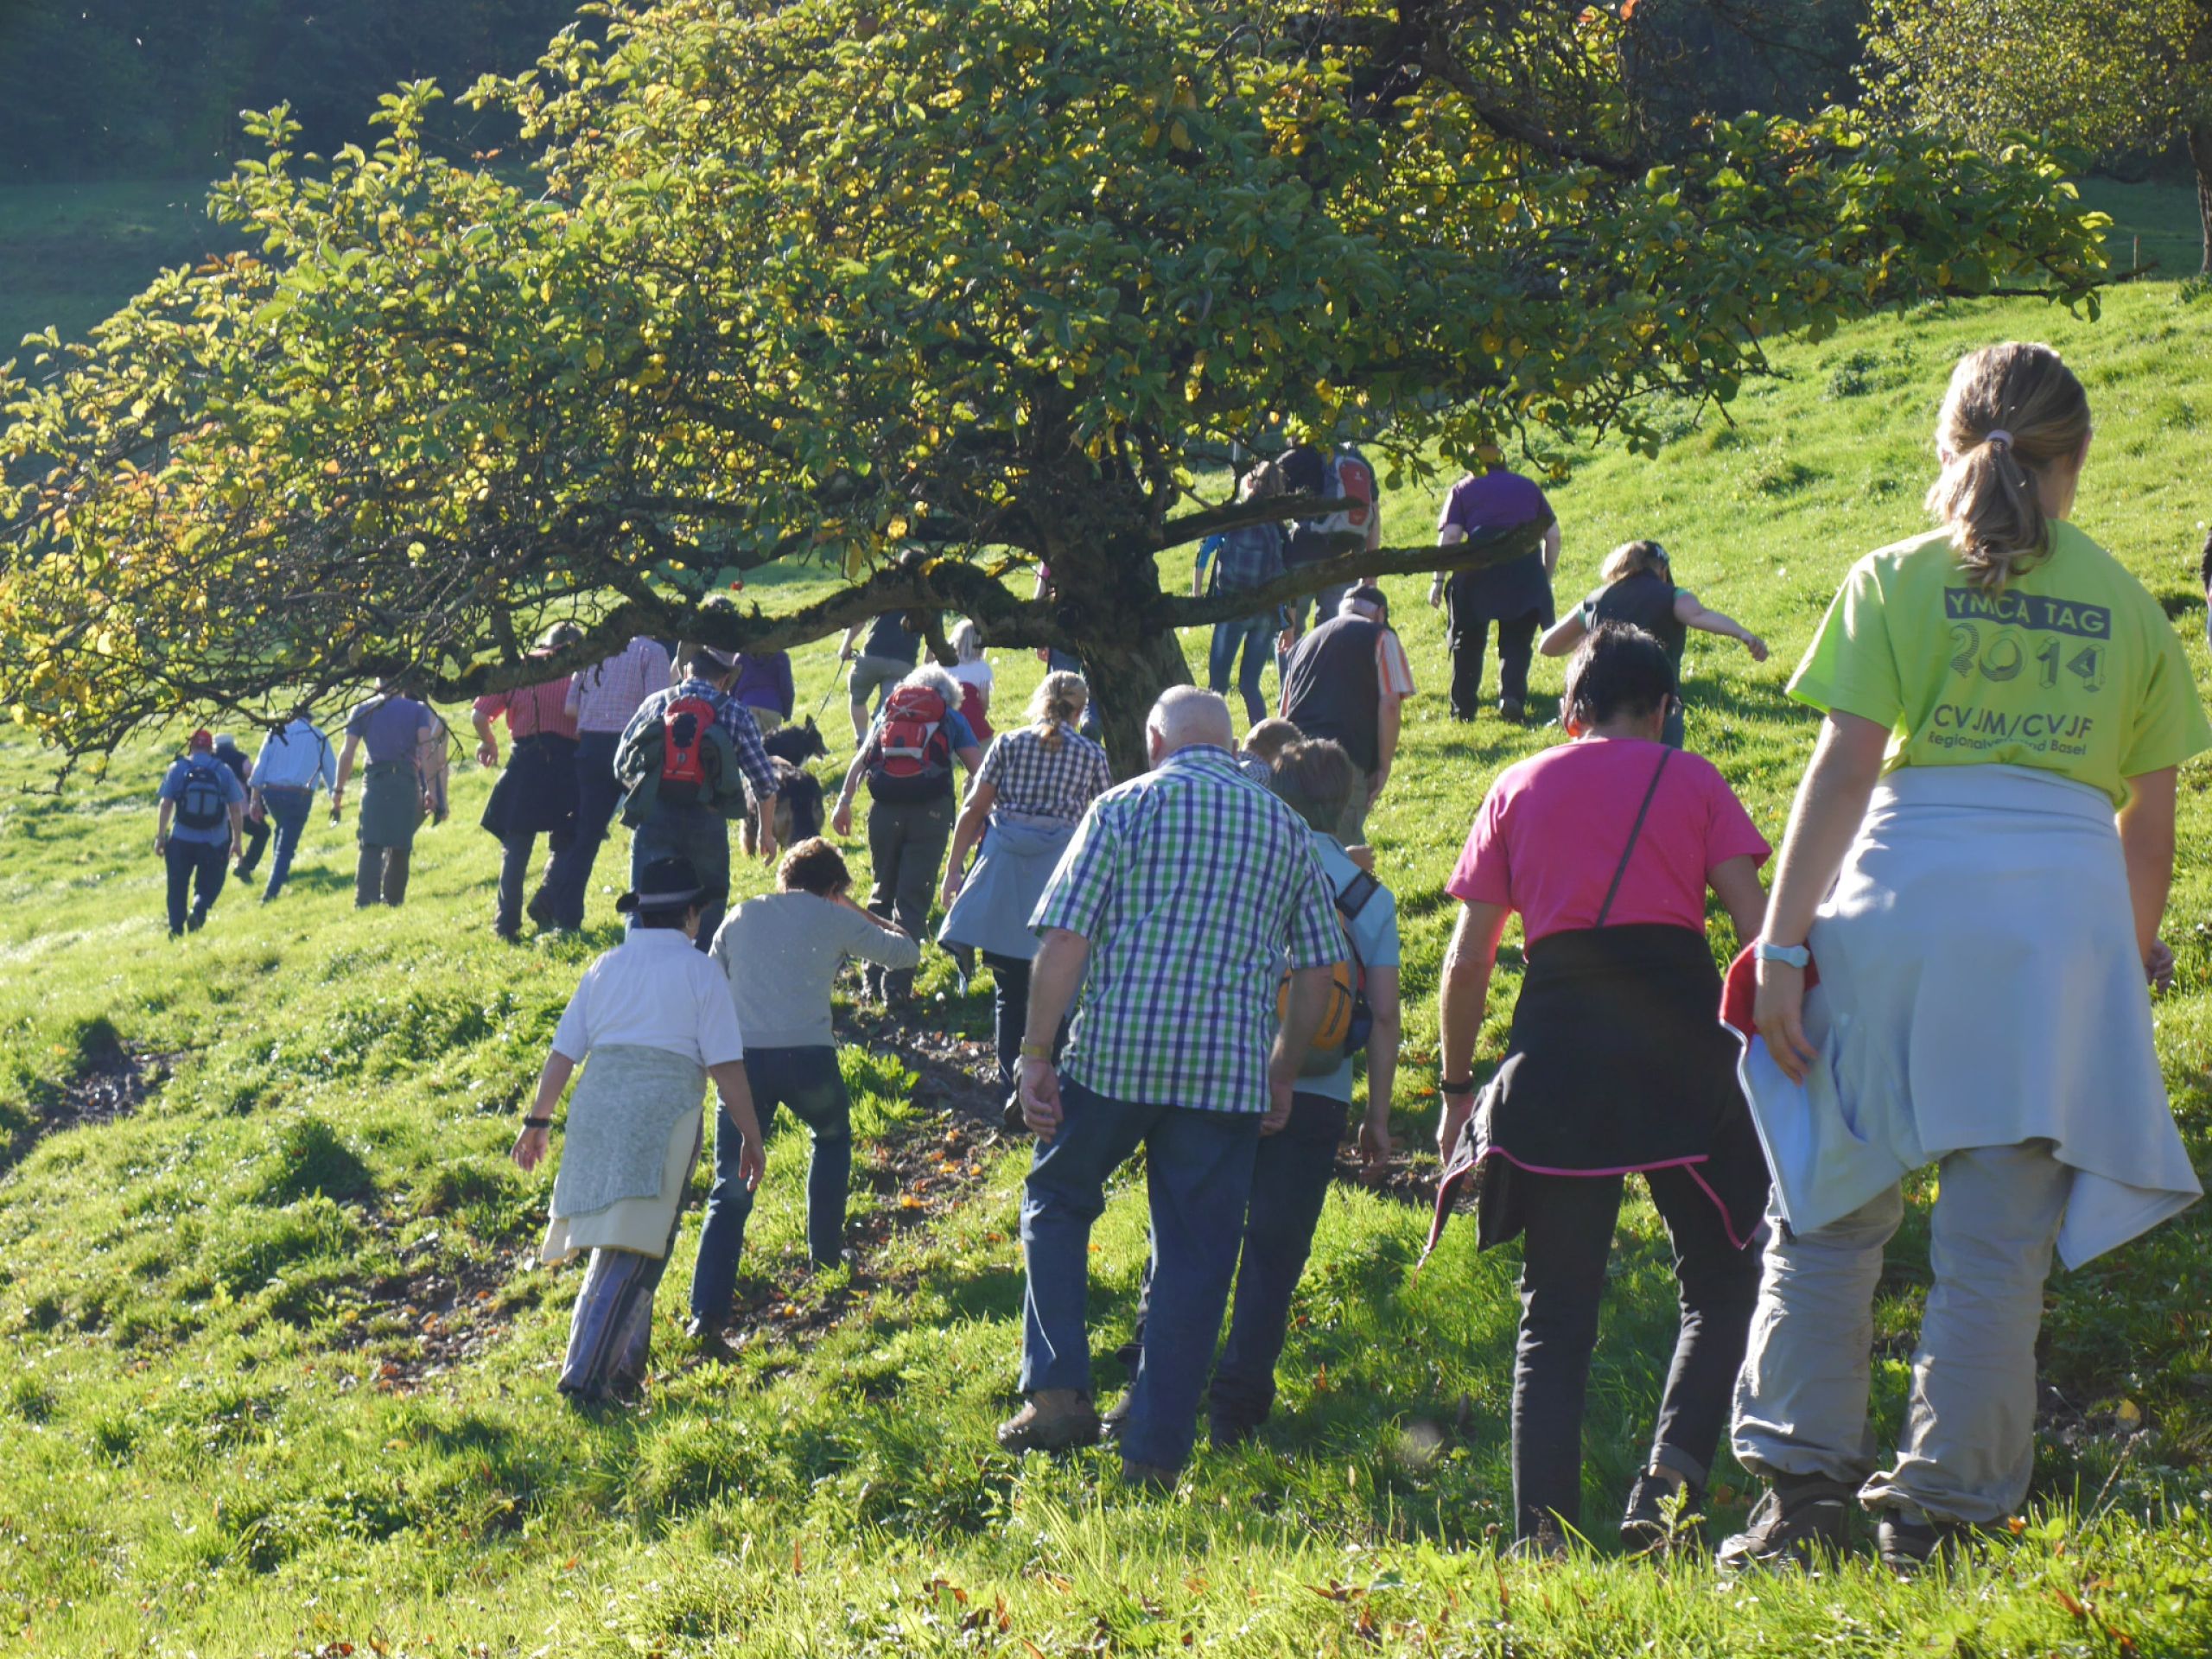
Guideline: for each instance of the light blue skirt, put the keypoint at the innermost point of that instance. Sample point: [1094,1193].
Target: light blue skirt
[991,911]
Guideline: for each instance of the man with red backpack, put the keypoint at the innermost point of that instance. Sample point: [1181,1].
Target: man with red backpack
[1343,475]
[688,761]
[907,759]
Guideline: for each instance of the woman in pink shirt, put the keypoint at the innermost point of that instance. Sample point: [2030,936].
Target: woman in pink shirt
[1617,1064]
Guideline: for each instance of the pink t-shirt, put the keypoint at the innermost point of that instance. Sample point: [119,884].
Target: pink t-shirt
[1550,834]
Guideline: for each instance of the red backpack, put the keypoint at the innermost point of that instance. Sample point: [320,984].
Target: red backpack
[913,751]
[1352,482]
[688,765]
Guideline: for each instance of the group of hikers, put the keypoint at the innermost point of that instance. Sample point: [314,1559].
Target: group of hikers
[1952,967]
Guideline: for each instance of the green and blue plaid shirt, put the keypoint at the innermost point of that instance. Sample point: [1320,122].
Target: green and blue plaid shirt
[1193,885]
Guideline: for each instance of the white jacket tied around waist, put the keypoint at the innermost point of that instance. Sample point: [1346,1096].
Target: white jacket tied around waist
[1980,986]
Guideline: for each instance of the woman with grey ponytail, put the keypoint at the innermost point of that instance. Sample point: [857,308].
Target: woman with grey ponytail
[1953,972]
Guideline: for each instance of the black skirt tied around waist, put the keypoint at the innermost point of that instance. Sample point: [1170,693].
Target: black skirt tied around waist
[1618,1063]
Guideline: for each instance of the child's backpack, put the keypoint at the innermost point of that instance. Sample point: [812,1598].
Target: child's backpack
[201,802]
[913,751]
[1349,1022]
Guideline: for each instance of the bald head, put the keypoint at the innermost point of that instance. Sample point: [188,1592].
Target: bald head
[1186,717]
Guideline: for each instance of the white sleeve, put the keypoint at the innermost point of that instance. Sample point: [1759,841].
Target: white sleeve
[572,1036]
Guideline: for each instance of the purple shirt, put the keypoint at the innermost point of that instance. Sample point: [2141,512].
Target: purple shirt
[764,681]
[1485,502]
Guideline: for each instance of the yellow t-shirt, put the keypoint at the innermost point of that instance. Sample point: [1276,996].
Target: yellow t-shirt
[2072,668]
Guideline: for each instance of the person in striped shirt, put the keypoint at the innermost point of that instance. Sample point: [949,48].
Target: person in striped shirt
[1175,908]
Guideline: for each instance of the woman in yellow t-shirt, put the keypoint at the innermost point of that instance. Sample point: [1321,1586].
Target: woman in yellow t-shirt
[1978,860]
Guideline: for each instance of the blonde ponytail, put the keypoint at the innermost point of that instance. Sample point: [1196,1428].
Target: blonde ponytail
[2013,412]
[1057,702]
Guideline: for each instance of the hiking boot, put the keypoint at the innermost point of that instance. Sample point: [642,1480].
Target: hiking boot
[1010,1114]
[1654,1523]
[1224,1433]
[540,908]
[709,1336]
[1909,1541]
[1052,1420]
[1802,1518]
[1512,708]
[1151,1477]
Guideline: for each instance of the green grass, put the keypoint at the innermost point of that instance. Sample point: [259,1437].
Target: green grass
[71,254]
[277,1363]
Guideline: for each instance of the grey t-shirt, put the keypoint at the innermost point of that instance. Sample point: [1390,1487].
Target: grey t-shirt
[781,954]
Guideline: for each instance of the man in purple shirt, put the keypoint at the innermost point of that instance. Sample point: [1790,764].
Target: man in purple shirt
[1516,595]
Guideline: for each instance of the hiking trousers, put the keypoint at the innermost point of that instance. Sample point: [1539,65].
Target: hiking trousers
[1468,637]
[1968,1447]
[380,877]
[698,833]
[905,846]
[196,870]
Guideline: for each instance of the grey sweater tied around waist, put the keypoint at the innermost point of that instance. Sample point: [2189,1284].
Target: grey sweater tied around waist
[625,1106]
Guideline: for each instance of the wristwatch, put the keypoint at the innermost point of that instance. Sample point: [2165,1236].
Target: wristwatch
[1795,955]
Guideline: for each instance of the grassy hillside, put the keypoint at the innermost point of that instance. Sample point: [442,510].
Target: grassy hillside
[278,1371]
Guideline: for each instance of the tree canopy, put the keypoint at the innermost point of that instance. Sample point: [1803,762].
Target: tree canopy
[2106,74]
[928,295]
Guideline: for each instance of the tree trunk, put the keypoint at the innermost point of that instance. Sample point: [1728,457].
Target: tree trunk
[2200,155]
[1127,675]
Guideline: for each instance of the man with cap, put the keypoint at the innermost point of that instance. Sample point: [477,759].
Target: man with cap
[655,1021]
[692,829]
[198,830]
[1346,682]
[1516,595]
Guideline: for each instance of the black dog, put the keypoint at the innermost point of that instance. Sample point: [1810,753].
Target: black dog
[798,792]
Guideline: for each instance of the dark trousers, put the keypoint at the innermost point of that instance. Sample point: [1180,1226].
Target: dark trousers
[255,833]
[700,833]
[380,876]
[806,1080]
[1010,1013]
[196,870]
[567,879]
[1570,1233]
[1290,1179]
[1468,637]
[515,852]
[1199,1178]
[905,846]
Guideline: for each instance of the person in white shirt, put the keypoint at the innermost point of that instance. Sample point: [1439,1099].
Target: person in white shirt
[654,1018]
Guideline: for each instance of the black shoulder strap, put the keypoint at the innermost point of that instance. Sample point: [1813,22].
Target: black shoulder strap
[1357,892]
[1635,831]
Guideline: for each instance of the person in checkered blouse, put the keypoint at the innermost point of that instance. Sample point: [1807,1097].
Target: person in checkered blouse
[1175,908]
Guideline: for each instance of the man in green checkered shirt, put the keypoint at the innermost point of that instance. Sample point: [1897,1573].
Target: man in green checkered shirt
[1183,896]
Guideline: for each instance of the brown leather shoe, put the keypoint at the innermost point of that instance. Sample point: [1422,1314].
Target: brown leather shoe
[1150,1476]
[1052,1421]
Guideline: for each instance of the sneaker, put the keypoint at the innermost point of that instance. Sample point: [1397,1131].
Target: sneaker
[1052,1420]
[1656,1523]
[197,920]
[1908,1541]
[1801,1517]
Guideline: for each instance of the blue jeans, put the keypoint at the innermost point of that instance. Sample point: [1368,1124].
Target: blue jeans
[1066,662]
[195,866]
[568,878]
[288,810]
[700,833]
[1198,1176]
[1255,635]
[806,1080]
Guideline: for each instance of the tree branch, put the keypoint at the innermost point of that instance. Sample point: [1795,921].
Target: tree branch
[1475,553]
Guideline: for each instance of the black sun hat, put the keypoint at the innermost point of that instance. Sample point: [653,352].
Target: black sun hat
[667,884]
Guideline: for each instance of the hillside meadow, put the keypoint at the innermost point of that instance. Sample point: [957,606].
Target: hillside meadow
[278,1365]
